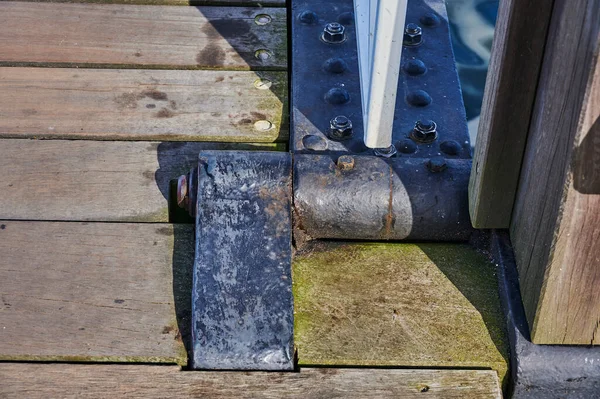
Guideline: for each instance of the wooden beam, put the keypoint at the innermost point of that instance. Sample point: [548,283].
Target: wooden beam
[136,381]
[114,35]
[97,104]
[411,305]
[95,180]
[96,292]
[555,226]
[517,50]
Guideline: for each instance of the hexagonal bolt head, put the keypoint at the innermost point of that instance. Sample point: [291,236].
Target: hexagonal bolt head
[424,132]
[334,33]
[340,128]
[345,162]
[413,35]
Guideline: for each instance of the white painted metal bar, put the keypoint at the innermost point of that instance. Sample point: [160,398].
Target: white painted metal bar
[379,31]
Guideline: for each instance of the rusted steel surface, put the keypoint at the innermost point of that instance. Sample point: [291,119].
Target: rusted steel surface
[242,316]
[381,199]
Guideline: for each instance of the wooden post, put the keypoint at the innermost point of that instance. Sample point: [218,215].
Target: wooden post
[555,227]
[517,52]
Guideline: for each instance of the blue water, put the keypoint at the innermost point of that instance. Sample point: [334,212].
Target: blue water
[472,27]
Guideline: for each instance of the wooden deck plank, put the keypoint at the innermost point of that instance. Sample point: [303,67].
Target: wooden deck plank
[98,104]
[148,36]
[134,381]
[94,180]
[247,3]
[411,305]
[94,291]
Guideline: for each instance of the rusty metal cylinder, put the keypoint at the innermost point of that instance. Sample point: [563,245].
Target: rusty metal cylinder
[382,199]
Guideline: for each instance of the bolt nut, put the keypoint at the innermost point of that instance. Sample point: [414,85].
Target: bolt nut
[340,128]
[334,32]
[385,152]
[345,162]
[424,132]
[413,35]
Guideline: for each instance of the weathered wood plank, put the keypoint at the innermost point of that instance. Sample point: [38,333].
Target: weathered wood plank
[517,51]
[135,381]
[94,180]
[426,305]
[143,105]
[149,36]
[555,225]
[94,291]
[244,3]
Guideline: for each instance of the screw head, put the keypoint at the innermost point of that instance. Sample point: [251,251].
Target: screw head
[437,164]
[262,54]
[262,19]
[413,35]
[385,152]
[182,191]
[334,33]
[425,131]
[345,162]
[340,128]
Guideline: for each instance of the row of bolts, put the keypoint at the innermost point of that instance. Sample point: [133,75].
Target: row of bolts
[340,127]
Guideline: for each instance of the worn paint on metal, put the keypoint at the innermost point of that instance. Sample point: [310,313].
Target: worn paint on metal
[242,300]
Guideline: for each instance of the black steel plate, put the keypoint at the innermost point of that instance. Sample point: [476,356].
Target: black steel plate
[242,303]
[311,81]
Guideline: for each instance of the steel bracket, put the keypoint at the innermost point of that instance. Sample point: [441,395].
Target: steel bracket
[325,83]
[540,371]
[242,310]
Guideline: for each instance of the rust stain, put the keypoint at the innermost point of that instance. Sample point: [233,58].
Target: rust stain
[389,217]
[165,113]
[155,95]
[259,115]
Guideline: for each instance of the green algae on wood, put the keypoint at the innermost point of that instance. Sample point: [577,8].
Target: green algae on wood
[404,305]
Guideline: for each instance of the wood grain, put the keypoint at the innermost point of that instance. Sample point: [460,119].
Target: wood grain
[246,3]
[555,226]
[93,292]
[99,104]
[94,180]
[517,51]
[135,381]
[426,305]
[150,36]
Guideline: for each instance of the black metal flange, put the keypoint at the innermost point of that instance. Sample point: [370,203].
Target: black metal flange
[540,371]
